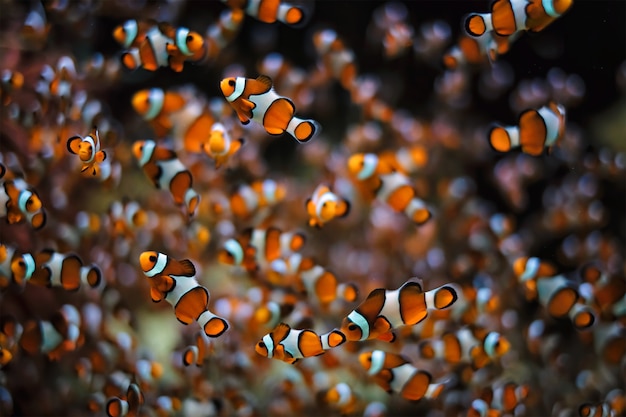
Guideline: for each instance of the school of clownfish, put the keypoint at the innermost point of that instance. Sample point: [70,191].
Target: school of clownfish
[371,283]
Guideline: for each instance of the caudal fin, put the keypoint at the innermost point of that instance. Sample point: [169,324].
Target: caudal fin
[303,130]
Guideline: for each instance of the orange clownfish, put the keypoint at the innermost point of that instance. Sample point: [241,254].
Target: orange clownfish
[186,45]
[175,282]
[55,337]
[19,202]
[132,32]
[220,146]
[536,130]
[508,17]
[15,267]
[394,373]
[127,406]
[256,99]
[341,397]
[197,353]
[54,269]
[468,345]
[151,54]
[289,345]
[249,199]
[89,151]
[480,408]
[270,11]
[324,205]
[470,50]
[506,396]
[166,171]
[384,310]
[155,105]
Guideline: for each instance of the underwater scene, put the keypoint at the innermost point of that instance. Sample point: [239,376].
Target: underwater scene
[306,208]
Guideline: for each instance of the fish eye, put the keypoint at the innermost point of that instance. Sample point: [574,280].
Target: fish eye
[262,345]
[152,258]
[231,83]
[189,38]
[352,327]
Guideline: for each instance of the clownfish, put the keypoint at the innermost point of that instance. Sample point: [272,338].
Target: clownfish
[367,169]
[155,105]
[55,337]
[220,147]
[259,247]
[220,34]
[19,202]
[324,205]
[15,267]
[128,406]
[166,171]
[341,397]
[559,296]
[397,192]
[196,354]
[395,374]
[338,61]
[270,11]
[10,82]
[89,150]
[536,130]
[467,345]
[316,281]
[384,310]
[125,217]
[175,282]
[508,17]
[256,99]
[132,32]
[250,199]
[187,45]
[151,54]
[290,345]
[506,397]
[54,269]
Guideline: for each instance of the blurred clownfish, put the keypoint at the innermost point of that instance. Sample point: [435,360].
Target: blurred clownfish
[472,345]
[155,105]
[324,205]
[384,310]
[394,373]
[536,130]
[19,202]
[166,171]
[196,354]
[89,150]
[175,282]
[220,146]
[256,99]
[15,267]
[505,397]
[54,269]
[132,32]
[338,61]
[127,406]
[341,397]
[151,54]
[250,199]
[270,11]
[55,337]
[187,45]
[510,16]
[289,345]
[221,33]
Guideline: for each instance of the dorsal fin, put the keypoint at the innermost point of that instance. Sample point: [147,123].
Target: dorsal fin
[188,269]
[264,79]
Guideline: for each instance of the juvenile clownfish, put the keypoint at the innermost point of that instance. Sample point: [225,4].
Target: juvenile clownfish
[270,11]
[15,267]
[395,374]
[55,337]
[196,354]
[19,202]
[536,130]
[324,205]
[256,99]
[175,282]
[289,345]
[89,150]
[54,269]
[467,345]
[508,17]
[166,171]
[384,310]
[250,199]
[129,406]
[220,146]
[156,105]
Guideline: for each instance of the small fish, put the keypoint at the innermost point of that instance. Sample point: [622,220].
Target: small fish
[395,374]
[536,131]
[480,408]
[256,99]
[19,202]
[156,106]
[254,198]
[187,45]
[508,17]
[471,345]
[341,397]
[129,406]
[385,310]
[270,11]
[324,205]
[132,32]
[14,267]
[151,54]
[55,337]
[338,61]
[175,282]
[54,269]
[220,146]
[89,150]
[196,354]
[167,172]
[506,397]
[290,345]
